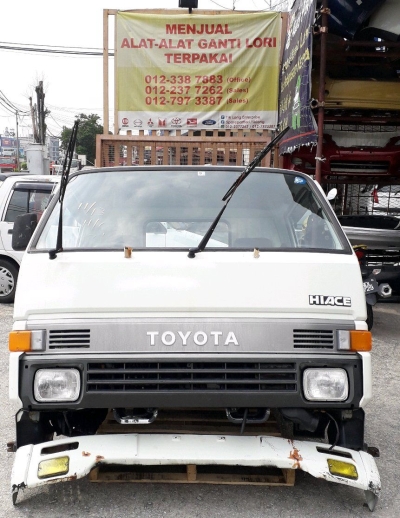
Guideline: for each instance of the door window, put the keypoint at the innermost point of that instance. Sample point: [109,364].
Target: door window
[23,201]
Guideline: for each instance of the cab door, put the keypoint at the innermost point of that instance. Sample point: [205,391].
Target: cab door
[25,197]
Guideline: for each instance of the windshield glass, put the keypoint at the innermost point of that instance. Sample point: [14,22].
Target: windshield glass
[173,209]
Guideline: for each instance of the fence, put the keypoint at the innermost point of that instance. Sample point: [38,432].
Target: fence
[377,199]
[192,148]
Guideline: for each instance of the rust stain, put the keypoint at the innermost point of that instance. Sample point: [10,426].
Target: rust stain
[64,479]
[86,454]
[99,458]
[295,455]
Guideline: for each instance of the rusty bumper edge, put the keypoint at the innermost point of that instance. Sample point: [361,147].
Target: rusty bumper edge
[87,452]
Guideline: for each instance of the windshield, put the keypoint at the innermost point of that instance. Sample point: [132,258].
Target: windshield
[173,208]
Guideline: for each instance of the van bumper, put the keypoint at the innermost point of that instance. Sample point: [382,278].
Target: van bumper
[82,454]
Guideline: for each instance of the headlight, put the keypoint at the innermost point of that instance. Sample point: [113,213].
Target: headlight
[53,385]
[325,384]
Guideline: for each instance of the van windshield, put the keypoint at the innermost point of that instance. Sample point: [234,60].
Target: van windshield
[169,208]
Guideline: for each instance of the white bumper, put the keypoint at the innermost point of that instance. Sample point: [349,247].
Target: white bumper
[167,449]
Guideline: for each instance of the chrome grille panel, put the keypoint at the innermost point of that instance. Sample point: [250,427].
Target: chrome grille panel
[145,335]
[191,376]
[69,338]
[313,339]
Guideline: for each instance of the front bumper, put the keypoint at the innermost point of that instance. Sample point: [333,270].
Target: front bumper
[87,452]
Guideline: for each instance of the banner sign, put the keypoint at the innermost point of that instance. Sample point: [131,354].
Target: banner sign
[7,141]
[197,71]
[295,95]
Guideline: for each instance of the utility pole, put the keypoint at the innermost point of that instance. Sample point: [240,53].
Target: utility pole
[321,94]
[16,122]
[41,112]
[34,124]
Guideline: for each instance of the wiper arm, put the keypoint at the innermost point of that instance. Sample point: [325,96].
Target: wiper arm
[63,185]
[230,192]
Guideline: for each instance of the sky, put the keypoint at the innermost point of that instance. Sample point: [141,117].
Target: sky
[72,84]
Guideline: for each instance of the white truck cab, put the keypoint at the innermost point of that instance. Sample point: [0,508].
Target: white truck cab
[156,296]
[18,194]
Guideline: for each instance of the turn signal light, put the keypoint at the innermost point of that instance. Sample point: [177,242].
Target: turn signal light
[23,341]
[354,340]
[19,341]
[360,341]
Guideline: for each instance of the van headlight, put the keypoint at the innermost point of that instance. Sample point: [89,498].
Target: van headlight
[325,384]
[53,385]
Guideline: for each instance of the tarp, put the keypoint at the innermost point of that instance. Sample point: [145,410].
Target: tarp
[295,93]
[197,71]
[347,17]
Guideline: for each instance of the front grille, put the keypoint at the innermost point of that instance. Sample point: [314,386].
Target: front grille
[69,339]
[382,258]
[191,376]
[313,339]
[359,166]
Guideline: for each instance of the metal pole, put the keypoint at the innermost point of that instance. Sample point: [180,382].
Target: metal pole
[16,122]
[321,95]
[106,114]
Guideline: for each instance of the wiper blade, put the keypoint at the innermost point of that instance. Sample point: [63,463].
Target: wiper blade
[63,185]
[228,195]
[254,163]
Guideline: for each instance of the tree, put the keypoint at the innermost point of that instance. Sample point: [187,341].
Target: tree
[86,138]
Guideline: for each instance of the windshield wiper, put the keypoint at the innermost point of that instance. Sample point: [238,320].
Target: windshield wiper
[230,192]
[63,185]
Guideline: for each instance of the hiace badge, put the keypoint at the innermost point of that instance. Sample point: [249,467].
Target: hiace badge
[328,300]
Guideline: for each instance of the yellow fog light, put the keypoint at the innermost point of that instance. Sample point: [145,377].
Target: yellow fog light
[53,467]
[342,469]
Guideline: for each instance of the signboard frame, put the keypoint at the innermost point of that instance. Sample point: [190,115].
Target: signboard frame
[107,54]
[218,64]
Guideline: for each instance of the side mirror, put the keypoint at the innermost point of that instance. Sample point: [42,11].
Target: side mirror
[332,194]
[24,227]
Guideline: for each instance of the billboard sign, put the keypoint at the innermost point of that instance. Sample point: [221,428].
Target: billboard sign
[197,71]
[8,142]
[295,95]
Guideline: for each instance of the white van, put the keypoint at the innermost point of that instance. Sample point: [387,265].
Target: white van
[158,297]
[19,193]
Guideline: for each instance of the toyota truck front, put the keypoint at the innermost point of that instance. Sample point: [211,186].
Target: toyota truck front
[268,320]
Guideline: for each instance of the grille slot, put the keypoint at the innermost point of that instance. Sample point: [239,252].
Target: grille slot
[359,166]
[191,376]
[313,339]
[69,339]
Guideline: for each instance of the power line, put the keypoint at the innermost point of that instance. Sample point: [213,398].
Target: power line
[8,105]
[268,2]
[4,98]
[51,49]
[219,5]
[279,4]
[52,46]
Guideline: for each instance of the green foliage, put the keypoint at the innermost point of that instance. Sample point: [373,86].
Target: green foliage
[23,166]
[86,139]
